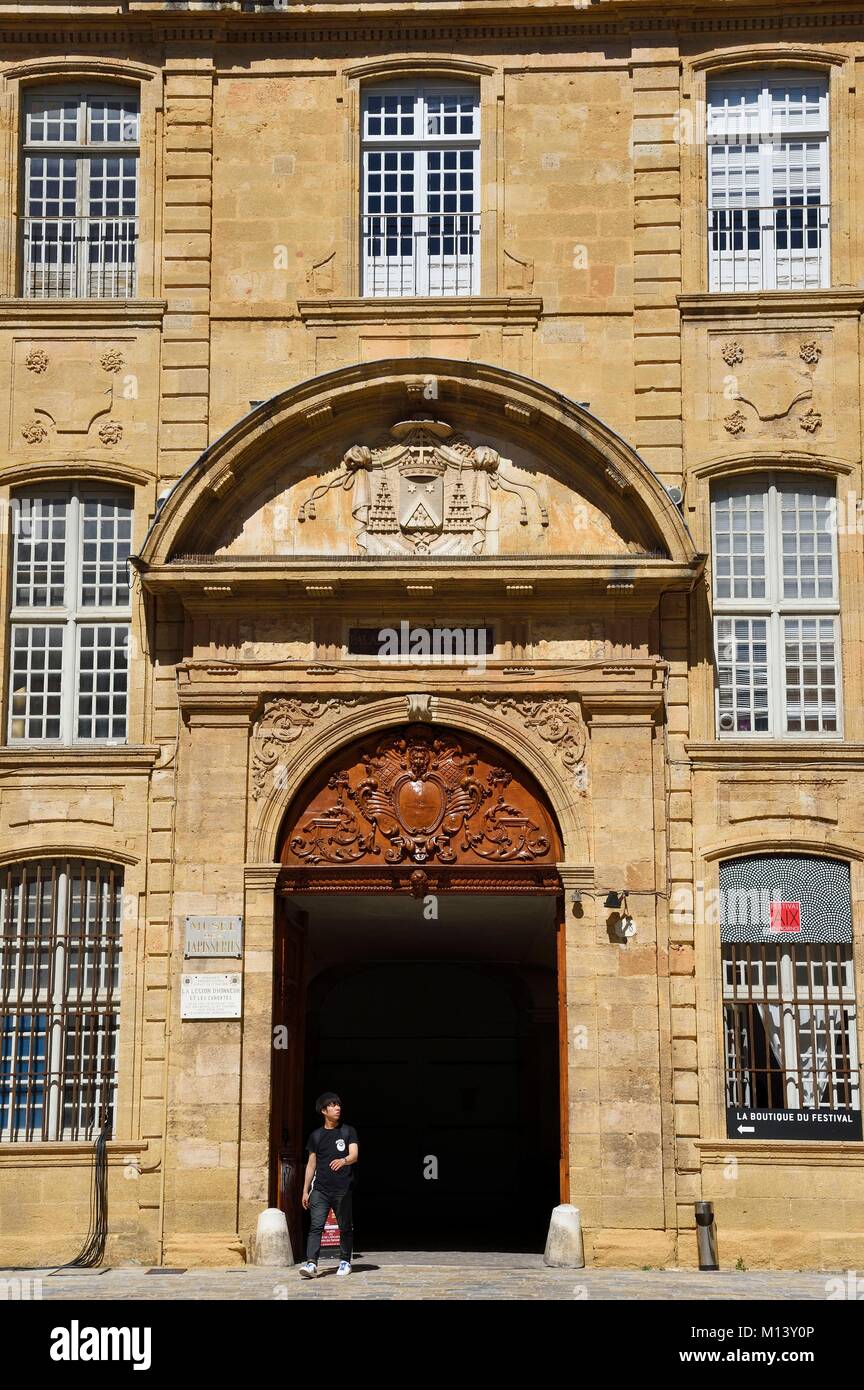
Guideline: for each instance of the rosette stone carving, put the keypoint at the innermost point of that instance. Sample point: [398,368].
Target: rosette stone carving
[735,423]
[811,421]
[111,432]
[36,360]
[112,360]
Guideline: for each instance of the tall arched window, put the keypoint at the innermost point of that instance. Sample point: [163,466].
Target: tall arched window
[70,615]
[790,1014]
[768,194]
[776,606]
[421,189]
[80,193]
[61,938]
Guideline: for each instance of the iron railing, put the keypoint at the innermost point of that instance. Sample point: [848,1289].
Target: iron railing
[423,254]
[782,247]
[790,1020]
[79,257]
[60,954]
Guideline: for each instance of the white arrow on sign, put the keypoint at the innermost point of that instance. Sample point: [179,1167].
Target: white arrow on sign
[746,1129]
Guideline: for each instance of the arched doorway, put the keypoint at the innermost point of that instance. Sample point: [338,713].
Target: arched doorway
[419,946]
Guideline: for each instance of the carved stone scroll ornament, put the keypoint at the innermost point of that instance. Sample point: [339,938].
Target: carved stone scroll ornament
[430,491]
[282,723]
[556,721]
[420,797]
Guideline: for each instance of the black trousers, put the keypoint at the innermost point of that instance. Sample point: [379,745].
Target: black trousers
[319,1205]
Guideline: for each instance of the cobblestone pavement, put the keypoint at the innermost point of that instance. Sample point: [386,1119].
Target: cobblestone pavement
[413,1275]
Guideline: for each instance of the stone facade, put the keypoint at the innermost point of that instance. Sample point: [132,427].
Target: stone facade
[586,378]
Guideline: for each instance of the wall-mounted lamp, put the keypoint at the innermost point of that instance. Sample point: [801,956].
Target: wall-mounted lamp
[613,899]
[626,927]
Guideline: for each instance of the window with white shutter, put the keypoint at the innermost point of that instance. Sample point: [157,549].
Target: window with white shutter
[80,226]
[776,607]
[768,193]
[70,616]
[420,231]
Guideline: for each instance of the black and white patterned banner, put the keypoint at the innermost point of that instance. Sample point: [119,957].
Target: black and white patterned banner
[785,897]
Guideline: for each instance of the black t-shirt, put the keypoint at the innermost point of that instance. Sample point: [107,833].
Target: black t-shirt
[329,1144]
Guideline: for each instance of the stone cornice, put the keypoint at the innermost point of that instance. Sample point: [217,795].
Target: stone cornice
[839,303]
[113,760]
[66,1154]
[261,876]
[464,309]
[223,708]
[781,456]
[405,23]
[577,876]
[830,1153]
[226,696]
[633,583]
[770,755]
[81,313]
[614,706]
[48,471]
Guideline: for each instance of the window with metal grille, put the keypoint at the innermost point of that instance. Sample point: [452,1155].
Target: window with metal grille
[59,998]
[420,219]
[790,1016]
[776,607]
[80,194]
[768,200]
[70,616]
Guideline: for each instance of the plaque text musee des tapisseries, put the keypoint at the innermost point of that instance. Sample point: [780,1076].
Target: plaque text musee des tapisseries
[213,936]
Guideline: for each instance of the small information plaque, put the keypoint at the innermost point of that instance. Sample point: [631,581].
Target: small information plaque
[211,996]
[206,937]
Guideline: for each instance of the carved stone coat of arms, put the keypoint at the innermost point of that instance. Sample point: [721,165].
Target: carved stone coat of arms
[428,492]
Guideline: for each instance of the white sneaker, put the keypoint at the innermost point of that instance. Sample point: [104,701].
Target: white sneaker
[308,1270]
[344,1268]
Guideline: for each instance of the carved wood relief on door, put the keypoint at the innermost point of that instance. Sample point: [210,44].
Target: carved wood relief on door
[416,808]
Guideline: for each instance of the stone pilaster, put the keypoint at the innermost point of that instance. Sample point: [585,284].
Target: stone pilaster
[187,212]
[204,1087]
[657,259]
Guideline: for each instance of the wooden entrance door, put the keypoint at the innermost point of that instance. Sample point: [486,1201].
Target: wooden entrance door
[418,810]
[289,1019]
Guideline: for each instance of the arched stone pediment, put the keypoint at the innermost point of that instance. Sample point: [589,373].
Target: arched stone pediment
[426,458]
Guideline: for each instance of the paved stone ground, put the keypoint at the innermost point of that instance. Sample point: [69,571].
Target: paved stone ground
[398,1275]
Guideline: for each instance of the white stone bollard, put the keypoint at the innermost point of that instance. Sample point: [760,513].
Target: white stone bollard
[564,1243]
[272,1241]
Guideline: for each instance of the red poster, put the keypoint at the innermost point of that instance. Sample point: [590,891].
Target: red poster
[785,916]
[331,1230]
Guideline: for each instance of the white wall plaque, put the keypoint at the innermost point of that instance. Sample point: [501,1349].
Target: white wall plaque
[213,936]
[211,996]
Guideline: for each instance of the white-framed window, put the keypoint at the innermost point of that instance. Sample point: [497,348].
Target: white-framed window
[420,232]
[790,1013]
[80,193]
[70,616]
[776,607]
[768,191]
[61,937]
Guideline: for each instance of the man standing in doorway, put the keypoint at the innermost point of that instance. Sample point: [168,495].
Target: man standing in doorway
[328,1181]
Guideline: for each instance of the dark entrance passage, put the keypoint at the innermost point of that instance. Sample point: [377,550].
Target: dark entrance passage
[441,1036]
[419,972]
